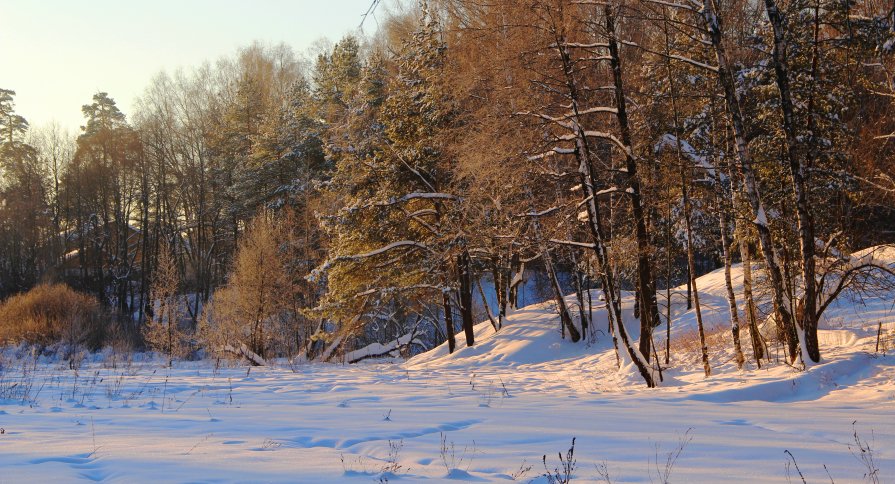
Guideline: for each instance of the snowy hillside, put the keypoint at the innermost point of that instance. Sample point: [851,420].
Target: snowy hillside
[531,342]
[483,414]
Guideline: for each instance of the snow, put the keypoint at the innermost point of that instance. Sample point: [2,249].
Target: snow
[401,243]
[378,349]
[670,141]
[694,62]
[761,218]
[482,414]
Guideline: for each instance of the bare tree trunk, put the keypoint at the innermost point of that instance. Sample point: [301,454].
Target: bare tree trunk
[725,210]
[691,265]
[499,275]
[668,288]
[725,77]
[740,234]
[487,309]
[689,287]
[607,279]
[517,268]
[565,318]
[464,273]
[798,174]
[685,171]
[595,222]
[144,243]
[731,296]
[758,345]
[579,294]
[449,322]
[646,284]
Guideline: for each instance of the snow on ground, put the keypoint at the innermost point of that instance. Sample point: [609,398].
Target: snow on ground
[484,414]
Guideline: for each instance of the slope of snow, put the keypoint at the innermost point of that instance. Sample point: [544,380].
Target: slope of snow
[483,414]
[531,342]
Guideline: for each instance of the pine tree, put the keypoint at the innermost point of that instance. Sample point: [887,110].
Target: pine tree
[25,215]
[390,240]
[101,185]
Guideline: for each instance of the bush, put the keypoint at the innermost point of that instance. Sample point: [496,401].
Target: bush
[51,313]
[255,310]
[162,331]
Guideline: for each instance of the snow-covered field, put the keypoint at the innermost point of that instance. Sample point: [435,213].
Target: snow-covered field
[485,414]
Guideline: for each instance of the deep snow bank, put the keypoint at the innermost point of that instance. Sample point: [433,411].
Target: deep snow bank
[531,340]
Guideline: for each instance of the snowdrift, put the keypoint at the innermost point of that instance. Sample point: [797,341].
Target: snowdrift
[489,413]
[530,340]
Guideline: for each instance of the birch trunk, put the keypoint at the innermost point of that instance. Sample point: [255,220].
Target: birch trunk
[807,334]
[750,184]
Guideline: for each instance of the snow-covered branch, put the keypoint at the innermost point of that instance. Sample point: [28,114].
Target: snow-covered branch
[694,62]
[673,5]
[551,152]
[394,245]
[606,191]
[378,350]
[541,213]
[398,289]
[573,243]
[669,140]
[243,351]
[562,120]
[601,135]
[579,45]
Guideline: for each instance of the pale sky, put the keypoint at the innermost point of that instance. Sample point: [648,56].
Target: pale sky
[57,53]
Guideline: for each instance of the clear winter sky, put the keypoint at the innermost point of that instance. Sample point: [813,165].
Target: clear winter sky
[57,53]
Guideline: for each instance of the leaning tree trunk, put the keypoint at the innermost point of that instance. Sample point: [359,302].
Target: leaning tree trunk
[797,173]
[565,317]
[595,224]
[691,265]
[750,184]
[607,279]
[725,210]
[646,284]
[493,321]
[685,171]
[731,296]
